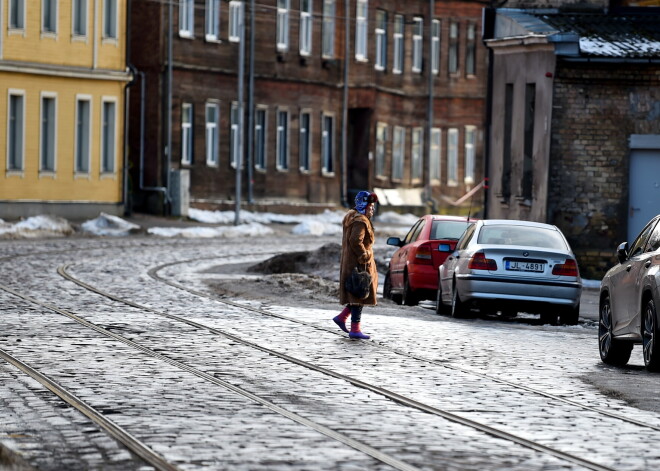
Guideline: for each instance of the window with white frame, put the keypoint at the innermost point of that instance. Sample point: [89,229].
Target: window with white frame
[470,149]
[17,14]
[260,133]
[212,25]
[381,145]
[328,145]
[282,159]
[435,46]
[108,136]
[470,50]
[283,7]
[235,136]
[83,133]
[79,20]
[397,60]
[452,157]
[16,130]
[186,18]
[418,36]
[305,140]
[49,16]
[186,133]
[212,134]
[398,152]
[47,143]
[453,48]
[381,40]
[306,22]
[434,157]
[110,19]
[416,160]
[328,45]
[235,20]
[361,10]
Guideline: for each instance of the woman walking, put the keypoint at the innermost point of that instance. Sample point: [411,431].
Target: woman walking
[357,251]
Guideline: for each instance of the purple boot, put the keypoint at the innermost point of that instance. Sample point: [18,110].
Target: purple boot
[340,319]
[355,332]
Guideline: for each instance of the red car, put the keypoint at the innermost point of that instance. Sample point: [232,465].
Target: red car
[413,270]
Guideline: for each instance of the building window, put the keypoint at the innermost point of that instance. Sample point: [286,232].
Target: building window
[397,65]
[282,160]
[452,157]
[49,16]
[381,40]
[16,131]
[470,150]
[235,136]
[186,18]
[398,152]
[416,160]
[507,138]
[260,133]
[108,137]
[212,134]
[381,144]
[470,51]
[110,19]
[327,145]
[235,20]
[306,22]
[17,14]
[283,7]
[453,48]
[435,46]
[213,20]
[418,31]
[48,132]
[328,28]
[186,134]
[528,158]
[361,10]
[305,140]
[83,130]
[434,158]
[79,25]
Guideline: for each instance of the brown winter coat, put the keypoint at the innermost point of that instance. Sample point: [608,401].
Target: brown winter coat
[357,247]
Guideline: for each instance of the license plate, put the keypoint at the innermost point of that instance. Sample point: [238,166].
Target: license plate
[514,265]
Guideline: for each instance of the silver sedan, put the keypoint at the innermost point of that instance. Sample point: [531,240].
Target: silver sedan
[511,266]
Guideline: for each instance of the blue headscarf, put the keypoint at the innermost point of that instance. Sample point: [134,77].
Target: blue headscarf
[363,199]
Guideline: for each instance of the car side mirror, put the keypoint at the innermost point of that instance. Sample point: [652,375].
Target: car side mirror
[395,241]
[622,252]
[444,248]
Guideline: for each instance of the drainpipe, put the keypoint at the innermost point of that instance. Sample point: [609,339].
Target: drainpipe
[344,113]
[168,110]
[429,111]
[250,126]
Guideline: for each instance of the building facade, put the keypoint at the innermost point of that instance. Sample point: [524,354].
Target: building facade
[62,80]
[336,97]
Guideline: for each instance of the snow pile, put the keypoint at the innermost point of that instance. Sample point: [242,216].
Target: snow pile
[317,227]
[390,217]
[246,217]
[36,226]
[109,225]
[245,230]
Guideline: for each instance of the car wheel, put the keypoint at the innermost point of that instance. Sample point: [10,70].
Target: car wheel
[549,317]
[458,309]
[570,316]
[387,286]
[612,351]
[440,308]
[409,297]
[649,337]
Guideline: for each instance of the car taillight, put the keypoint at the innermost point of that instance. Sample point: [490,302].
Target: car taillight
[480,262]
[568,268]
[423,255]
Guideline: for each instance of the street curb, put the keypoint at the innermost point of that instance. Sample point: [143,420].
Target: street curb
[11,460]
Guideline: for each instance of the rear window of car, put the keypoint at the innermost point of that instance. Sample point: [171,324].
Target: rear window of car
[448,230]
[521,235]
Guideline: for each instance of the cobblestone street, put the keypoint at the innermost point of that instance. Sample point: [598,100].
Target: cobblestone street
[135,329]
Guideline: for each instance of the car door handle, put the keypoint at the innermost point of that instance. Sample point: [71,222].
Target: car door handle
[647,264]
[628,267]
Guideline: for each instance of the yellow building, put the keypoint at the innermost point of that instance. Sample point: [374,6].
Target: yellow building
[63,76]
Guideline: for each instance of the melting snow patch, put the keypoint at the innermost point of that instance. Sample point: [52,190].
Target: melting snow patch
[318,228]
[36,226]
[254,229]
[109,225]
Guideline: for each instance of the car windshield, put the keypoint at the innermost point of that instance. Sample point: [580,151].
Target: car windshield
[521,235]
[448,230]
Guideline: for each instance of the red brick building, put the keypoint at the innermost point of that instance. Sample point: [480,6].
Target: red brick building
[326,111]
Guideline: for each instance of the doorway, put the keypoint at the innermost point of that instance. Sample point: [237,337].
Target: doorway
[359,126]
[643,185]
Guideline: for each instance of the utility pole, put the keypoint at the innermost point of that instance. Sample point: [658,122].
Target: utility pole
[250,127]
[240,134]
[344,120]
[429,109]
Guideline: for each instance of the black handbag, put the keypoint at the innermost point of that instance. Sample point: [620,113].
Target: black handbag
[358,283]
